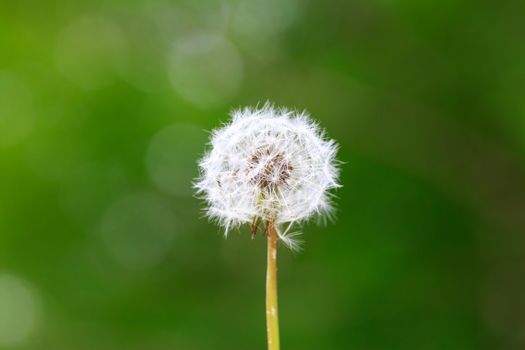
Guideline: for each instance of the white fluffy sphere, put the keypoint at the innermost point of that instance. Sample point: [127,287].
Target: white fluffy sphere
[268,164]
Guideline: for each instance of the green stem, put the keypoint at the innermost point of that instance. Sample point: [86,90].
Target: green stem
[272,314]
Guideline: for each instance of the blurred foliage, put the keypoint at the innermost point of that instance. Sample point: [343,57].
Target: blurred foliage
[103,111]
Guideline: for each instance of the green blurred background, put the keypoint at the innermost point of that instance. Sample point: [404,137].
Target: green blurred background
[105,106]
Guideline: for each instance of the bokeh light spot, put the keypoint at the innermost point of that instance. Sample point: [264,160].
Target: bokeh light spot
[172,156]
[138,230]
[19,310]
[206,70]
[88,51]
[16,110]
[259,18]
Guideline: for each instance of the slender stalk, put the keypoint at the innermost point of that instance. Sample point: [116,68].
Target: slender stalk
[272,313]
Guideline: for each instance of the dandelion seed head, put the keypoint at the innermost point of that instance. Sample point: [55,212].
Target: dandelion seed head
[269,163]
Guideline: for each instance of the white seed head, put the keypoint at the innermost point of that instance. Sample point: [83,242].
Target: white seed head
[268,165]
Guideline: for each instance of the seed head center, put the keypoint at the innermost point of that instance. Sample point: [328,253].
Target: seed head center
[268,169]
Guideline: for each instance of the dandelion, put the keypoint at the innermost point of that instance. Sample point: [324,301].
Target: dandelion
[273,167]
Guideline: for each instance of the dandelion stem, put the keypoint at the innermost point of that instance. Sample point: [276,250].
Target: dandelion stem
[272,314]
